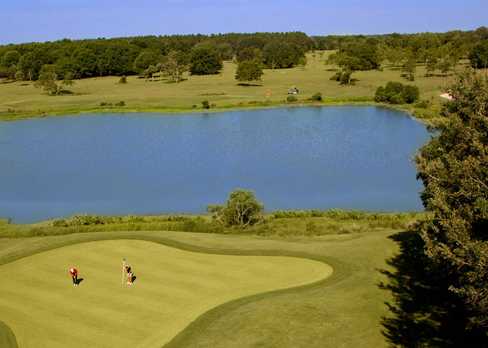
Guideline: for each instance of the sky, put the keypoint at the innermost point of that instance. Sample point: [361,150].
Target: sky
[47,20]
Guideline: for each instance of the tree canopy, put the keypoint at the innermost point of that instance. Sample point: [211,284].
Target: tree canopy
[454,169]
[205,60]
[249,70]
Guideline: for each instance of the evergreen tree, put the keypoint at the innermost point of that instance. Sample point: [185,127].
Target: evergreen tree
[454,169]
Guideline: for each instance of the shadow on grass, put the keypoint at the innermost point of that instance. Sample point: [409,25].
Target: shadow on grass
[79,280]
[249,84]
[423,312]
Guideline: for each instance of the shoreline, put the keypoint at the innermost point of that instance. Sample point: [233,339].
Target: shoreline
[164,111]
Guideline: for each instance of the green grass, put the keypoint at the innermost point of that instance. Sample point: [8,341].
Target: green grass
[173,288]
[21,99]
[287,224]
[344,310]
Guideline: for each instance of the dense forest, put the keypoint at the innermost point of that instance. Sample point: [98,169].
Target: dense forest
[204,54]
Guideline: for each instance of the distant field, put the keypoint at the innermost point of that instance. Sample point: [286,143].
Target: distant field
[222,90]
[174,286]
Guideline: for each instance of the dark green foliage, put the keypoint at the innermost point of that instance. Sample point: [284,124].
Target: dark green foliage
[10,59]
[205,60]
[146,58]
[47,80]
[174,65]
[317,97]
[84,61]
[226,51]
[279,55]
[291,99]
[397,93]
[205,104]
[357,56]
[123,79]
[479,55]
[65,66]
[249,53]
[454,169]
[344,77]
[423,312]
[249,70]
[410,67]
[242,209]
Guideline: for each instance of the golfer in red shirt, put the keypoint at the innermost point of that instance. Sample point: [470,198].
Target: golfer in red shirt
[74,275]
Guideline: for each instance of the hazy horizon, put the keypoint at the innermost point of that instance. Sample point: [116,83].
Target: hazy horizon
[30,21]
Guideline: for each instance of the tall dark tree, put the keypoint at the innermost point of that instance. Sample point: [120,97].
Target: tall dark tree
[454,169]
[146,58]
[84,61]
[249,70]
[205,60]
[279,55]
[10,59]
[479,55]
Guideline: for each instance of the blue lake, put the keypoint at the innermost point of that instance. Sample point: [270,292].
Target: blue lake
[298,158]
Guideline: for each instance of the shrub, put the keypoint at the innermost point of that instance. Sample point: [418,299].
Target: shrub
[479,55]
[123,80]
[242,209]
[317,97]
[397,93]
[291,99]
[205,104]
[120,103]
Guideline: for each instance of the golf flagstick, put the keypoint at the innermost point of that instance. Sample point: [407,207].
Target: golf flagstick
[123,270]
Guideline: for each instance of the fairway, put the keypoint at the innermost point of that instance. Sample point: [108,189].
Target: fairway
[173,287]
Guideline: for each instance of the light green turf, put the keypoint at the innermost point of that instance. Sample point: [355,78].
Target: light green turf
[221,89]
[173,288]
[344,310]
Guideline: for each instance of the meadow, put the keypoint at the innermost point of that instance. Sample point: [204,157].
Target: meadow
[21,99]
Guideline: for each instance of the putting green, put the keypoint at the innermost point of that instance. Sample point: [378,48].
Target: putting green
[173,287]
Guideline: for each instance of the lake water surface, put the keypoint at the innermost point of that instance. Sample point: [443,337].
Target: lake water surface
[299,158]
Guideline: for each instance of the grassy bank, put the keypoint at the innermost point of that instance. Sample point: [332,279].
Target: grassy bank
[287,224]
[20,100]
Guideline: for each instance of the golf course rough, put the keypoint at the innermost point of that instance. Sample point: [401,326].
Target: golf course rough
[173,287]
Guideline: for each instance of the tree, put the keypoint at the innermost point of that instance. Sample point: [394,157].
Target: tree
[479,55]
[30,66]
[358,56]
[47,80]
[145,59]
[249,53]
[432,65]
[242,209]
[280,55]
[10,59]
[174,65]
[344,77]
[397,93]
[249,70]
[454,169]
[409,68]
[225,50]
[84,62]
[205,60]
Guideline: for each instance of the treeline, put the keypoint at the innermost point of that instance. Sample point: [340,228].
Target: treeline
[204,54]
[134,55]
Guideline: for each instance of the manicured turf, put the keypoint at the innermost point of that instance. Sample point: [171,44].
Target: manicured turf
[173,287]
[344,310]
[221,89]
